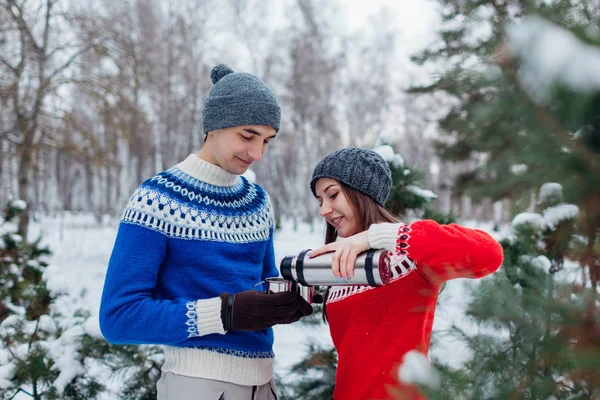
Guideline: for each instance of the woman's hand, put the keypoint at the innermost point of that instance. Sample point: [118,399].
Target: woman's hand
[346,251]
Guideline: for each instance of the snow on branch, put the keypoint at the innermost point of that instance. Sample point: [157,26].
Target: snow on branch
[18,205]
[528,218]
[386,152]
[550,217]
[549,190]
[416,369]
[554,215]
[551,55]
[542,263]
[426,194]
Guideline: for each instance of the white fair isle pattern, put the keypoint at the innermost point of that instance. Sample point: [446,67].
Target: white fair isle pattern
[338,293]
[198,184]
[191,319]
[401,267]
[162,213]
[204,317]
[192,195]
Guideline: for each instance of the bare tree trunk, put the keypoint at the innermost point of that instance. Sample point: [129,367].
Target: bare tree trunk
[39,179]
[90,194]
[4,155]
[25,170]
[109,189]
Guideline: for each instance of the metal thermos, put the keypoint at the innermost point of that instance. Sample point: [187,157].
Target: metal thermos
[372,268]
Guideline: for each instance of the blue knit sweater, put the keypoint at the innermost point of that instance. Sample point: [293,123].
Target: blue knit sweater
[187,235]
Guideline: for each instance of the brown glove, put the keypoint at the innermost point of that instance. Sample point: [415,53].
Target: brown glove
[254,311]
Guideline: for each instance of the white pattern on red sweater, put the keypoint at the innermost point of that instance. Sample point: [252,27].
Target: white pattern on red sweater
[373,328]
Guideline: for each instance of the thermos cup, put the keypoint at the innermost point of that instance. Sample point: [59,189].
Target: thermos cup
[372,268]
[278,285]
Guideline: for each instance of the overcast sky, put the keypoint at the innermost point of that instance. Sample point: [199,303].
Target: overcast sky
[418,20]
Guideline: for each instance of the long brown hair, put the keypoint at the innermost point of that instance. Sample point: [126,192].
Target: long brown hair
[366,211]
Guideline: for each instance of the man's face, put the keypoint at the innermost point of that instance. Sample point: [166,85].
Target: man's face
[235,149]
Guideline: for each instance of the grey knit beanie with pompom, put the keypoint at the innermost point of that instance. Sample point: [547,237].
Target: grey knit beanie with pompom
[361,169]
[238,99]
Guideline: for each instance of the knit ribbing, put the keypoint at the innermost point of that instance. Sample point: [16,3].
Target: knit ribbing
[221,366]
[383,236]
[207,172]
[208,316]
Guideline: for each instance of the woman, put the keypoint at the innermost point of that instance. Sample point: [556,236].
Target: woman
[373,328]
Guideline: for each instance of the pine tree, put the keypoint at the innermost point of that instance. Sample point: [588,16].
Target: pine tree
[31,332]
[538,316]
[539,331]
[491,120]
[407,200]
[46,354]
[137,367]
[316,373]
[405,195]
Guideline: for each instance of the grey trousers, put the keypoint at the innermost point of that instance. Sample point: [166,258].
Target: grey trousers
[171,386]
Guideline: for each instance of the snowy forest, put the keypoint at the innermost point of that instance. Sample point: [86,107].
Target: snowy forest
[492,120]
[98,98]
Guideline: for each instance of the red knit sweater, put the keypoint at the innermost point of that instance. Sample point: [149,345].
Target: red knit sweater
[373,328]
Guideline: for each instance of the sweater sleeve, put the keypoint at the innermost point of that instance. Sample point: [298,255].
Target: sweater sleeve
[129,313]
[441,252]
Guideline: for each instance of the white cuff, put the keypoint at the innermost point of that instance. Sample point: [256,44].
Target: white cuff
[208,316]
[383,236]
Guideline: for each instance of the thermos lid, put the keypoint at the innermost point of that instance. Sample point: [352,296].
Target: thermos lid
[291,267]
[384,267]
[286,267]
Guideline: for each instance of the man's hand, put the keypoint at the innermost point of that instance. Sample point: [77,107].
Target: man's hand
[254,311]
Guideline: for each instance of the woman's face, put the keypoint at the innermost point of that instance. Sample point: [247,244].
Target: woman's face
[335,207]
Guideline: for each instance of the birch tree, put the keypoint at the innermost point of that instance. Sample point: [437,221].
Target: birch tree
[37,57]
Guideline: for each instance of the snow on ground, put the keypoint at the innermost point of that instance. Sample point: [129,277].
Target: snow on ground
[81,250]
[291,341]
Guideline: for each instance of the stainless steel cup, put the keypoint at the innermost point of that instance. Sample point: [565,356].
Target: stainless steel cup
[279,285]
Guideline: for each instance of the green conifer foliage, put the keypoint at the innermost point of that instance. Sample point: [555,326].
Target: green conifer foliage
[494,119]
[539,331]
[538,317]
[45,354]
[402,199]
[30,330]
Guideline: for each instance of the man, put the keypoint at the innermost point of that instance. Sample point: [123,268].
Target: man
[192,243]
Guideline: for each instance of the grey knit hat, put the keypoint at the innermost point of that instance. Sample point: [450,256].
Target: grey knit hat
[361,169]
[237,99]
